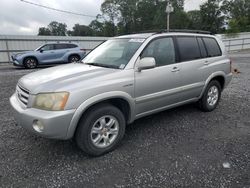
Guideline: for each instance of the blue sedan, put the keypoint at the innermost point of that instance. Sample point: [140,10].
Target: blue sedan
[52,53]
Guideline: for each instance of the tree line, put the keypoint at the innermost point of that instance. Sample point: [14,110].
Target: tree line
[120,17]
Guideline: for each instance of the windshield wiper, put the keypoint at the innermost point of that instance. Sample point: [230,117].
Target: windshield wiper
[104,65]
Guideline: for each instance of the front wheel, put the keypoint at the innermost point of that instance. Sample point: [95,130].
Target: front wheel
[30,63]
[211,96]
[100,130]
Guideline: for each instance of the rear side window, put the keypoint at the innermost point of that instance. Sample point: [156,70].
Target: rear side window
[71,46]
[188,48]
[202,48]
[212,46]
[60,46]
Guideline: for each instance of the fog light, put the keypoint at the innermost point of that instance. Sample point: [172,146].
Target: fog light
[38,126]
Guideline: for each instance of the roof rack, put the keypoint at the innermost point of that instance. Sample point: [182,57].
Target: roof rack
[176,30]
[185,31]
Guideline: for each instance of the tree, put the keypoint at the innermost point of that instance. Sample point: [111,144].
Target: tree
[238,14]
[212,18]
[195,22]
[97,28]
[54,28]
[57,29]
[44,31]
[80,30]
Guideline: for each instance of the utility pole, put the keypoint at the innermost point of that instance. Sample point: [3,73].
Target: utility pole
[169,9]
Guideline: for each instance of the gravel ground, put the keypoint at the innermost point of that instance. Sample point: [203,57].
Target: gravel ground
[183,147]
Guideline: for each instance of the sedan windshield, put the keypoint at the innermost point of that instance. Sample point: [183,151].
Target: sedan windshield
[114,53]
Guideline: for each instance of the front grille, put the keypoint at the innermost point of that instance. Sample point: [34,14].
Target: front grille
[22,94]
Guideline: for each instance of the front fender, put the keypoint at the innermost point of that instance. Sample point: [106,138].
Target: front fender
[96,99]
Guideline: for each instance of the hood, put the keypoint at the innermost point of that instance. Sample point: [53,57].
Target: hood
[22,53]
[60,77]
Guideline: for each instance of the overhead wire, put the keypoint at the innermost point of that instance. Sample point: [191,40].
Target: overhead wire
[56,9]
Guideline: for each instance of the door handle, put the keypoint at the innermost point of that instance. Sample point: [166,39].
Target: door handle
[206,63]
[175,69]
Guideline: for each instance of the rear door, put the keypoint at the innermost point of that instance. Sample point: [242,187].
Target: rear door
[158,87]
[60,50]
[192,64]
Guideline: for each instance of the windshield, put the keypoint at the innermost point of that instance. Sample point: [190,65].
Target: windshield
[114,53]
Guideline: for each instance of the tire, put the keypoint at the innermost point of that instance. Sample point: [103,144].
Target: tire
[73,58]
[95,138]
[30,63]
[211,97]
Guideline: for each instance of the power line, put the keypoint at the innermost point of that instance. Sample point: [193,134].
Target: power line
[58,10]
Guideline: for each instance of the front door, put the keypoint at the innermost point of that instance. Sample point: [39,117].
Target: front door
[158,87]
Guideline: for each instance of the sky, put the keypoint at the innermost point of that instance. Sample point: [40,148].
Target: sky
[19,18]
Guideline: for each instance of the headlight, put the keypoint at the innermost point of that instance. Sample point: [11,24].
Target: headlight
[51,101]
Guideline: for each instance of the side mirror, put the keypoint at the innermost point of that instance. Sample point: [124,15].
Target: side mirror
[146,63]
[41,51]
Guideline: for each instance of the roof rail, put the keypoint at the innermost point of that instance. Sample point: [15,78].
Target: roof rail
[184,31]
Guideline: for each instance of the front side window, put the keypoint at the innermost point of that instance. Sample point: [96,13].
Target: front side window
[47,47]
[188,48]
[162,50]
[114,53]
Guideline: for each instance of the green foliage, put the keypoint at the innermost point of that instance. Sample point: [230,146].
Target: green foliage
[57,29]
[54,29]
[122,17]
[195,21]
[80,30]
[44,31]
[238,13]
[212,18]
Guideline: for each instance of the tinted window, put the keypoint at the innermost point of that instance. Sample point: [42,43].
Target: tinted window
[212,46]
[162,50]
[188,48]
[71,46]
[202,48]
[60,46]
[47,47]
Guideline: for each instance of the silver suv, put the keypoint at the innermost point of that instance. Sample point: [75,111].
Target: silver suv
[123,79]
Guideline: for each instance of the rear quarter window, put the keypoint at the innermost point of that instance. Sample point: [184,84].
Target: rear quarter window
[188,48]
[212,46]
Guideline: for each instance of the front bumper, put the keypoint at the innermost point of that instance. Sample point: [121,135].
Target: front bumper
[15,62]
[56,123]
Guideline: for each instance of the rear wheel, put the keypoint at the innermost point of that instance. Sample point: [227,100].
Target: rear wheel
[100,130]
[211,96]
[30,63]
[74,58]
